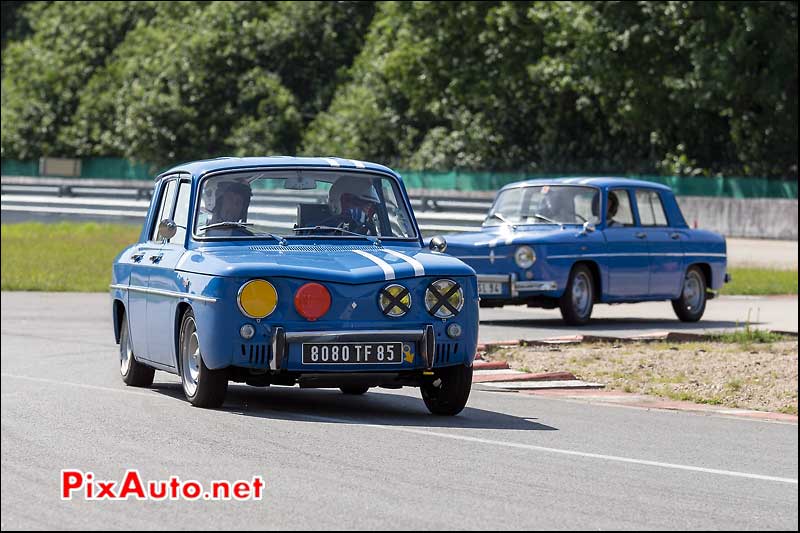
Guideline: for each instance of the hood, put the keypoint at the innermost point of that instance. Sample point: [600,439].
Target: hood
[494,236]
[331,263]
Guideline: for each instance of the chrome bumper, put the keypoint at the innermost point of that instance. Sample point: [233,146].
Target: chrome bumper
[281,340]
[516,286]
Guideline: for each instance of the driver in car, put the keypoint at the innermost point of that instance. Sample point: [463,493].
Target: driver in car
[353,204]
[228,201]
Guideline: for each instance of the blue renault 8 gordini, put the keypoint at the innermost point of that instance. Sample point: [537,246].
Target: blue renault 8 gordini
[574,242]
[284,271]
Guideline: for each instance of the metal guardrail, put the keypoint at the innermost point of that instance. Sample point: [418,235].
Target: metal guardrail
[436,211]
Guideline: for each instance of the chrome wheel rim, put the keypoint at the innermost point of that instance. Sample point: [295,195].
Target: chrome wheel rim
[125,356]
[581,294]
[190,357]
[692,291]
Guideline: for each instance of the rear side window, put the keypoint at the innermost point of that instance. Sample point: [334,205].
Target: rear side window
[164,208]
[651,212]
[618,210]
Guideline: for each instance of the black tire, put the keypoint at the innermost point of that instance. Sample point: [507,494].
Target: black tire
[355,390]
[692,303]
[450,397]
[134,373]
[578,299]
[203,387]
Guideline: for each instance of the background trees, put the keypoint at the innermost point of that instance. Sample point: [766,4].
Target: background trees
[618,87]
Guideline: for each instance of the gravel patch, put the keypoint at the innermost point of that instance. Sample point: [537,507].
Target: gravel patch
[740,375]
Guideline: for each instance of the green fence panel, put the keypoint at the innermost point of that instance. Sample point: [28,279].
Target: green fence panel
[731,187]
[109,167]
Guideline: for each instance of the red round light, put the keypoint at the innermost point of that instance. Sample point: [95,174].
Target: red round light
[312,300]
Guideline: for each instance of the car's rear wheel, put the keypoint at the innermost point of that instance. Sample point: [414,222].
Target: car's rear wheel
[692,303]
[448,393]
[578,299]
[133,373]
[355,390]
[203,387]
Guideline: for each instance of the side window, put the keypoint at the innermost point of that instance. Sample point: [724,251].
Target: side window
[167,199]
[619,213]
[181,216]
[651,212]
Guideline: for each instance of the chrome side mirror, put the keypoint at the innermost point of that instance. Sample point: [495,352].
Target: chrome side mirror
[167,229]
[438,244]
[588,227]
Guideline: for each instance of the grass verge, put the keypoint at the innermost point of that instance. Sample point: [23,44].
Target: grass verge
[761,281]
[61,257]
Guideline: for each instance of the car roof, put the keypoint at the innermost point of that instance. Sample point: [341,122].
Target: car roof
[199,168]
[602,182]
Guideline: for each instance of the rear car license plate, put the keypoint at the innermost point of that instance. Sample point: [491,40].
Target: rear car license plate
[490,287]
[348,353]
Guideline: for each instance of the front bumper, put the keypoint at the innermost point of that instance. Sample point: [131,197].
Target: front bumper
[515,286]
[426,338]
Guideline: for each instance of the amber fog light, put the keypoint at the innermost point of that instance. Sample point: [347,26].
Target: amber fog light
[312,300]
[257,299]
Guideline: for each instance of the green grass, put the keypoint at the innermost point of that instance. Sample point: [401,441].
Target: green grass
[761,281]
[61,257]
[748,336]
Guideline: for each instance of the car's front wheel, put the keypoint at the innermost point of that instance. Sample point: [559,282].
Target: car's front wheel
[692,303]
[578,299]
[133,373]
[203,387]
[448,393]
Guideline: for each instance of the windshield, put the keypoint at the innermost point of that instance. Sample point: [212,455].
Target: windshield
[301,203]
[545,204]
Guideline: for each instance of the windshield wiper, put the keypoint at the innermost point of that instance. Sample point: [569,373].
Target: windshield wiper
[224,224]
[502,219]
[375,240]
[542,217]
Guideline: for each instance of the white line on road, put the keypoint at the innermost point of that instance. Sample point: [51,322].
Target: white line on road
[464,438]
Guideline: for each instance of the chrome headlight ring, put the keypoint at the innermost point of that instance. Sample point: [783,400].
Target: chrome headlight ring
[394,300]
[524,257]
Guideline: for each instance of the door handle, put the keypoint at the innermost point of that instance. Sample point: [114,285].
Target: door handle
[156,258]
[137,258]
[675,236]
[641,235]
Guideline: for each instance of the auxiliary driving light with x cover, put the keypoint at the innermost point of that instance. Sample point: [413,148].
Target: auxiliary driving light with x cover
[444,298]
[257,299]
[394,300]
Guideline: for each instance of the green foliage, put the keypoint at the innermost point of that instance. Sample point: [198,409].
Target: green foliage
[676,88]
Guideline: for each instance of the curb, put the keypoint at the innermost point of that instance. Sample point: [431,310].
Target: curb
[490,365]
[511,377]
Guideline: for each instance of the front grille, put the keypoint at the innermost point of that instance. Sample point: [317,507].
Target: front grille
[256,355]
[446,352]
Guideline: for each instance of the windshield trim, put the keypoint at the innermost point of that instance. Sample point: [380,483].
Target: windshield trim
[598,188]
[230,238]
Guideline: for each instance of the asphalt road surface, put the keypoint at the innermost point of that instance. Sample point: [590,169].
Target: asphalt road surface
[778,313]
[375,461]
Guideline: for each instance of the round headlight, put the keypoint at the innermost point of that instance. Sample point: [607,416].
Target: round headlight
[312,301]
[257,298]
[394,300]
[524,257]
[444,298]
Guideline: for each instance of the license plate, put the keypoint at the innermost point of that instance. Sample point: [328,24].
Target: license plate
[490,287]
[349,353]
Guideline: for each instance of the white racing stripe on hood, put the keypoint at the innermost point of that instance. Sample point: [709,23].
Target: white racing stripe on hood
[419,269]
[331,162]
[388,271]
[358,164]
